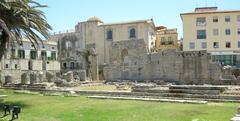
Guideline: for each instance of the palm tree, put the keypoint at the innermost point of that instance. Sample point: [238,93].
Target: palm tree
[20,19]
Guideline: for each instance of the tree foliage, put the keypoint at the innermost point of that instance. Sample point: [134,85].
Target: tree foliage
[21,19]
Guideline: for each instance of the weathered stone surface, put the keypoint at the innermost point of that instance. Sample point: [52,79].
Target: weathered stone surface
[25,79]
[68,76]
[76,78]
[33,78]
[129,60]
[8,79]
[50,77]
[40,76]
[82,75]
[64,83]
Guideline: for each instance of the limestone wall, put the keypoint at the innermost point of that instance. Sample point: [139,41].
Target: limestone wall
[138,64]
[52,65]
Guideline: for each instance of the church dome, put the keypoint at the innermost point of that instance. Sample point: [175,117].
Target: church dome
[94,19]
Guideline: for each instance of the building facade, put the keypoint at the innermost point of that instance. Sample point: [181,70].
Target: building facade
[166,38]
[94,33]
[26,58]
[213,30]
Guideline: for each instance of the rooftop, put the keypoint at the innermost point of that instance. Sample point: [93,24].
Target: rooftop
[209,10]
[129,22]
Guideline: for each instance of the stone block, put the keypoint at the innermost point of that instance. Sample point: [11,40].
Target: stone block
[8,79]
[33,78]
[68,76]
[50,77]
[25,78]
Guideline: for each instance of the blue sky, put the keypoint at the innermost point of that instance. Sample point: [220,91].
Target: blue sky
[65,14]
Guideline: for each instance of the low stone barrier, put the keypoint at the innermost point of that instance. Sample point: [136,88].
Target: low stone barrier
[149,99]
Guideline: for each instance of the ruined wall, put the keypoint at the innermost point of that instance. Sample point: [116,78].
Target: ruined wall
[130,61]
[15,68]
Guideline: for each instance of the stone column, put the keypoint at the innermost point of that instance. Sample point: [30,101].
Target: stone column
[94,67]
[33,78]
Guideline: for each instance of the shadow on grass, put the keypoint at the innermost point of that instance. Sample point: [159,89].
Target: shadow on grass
[17,103]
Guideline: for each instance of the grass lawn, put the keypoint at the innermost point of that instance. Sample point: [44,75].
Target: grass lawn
[59,108]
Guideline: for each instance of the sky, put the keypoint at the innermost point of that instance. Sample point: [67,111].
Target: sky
[63,15]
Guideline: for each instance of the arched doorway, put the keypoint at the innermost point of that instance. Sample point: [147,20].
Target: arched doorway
[124,53]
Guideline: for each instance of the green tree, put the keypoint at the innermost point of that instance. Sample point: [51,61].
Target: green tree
[19,19]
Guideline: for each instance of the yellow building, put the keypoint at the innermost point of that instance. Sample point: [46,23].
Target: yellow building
[166,38]
[94,33]
[211,29]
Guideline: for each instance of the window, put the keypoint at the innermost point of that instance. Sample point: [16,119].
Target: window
[16,66]
[132,33]
[72,65]
[65,65]
[68,45]
[170,43]
[6,66]
[238,44]
[201,21]
[227,19]
[215,32]
[169,38]
[238,31]
[204,45]
[53,48]
[228,32]
[109,35]
[215,44]
[33,54]
[228,44]
[215,19]
[21,54]
[44,55]
[163,42]
[201,34]
[162,38]
[192,45]
[238,18]
[53,56]
[13,55]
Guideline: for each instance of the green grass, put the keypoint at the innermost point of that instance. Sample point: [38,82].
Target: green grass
[58,108]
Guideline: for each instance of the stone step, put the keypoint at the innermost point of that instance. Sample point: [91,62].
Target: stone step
[149,99]
[198,87]
[187,91]
[193,91]
[176,98]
